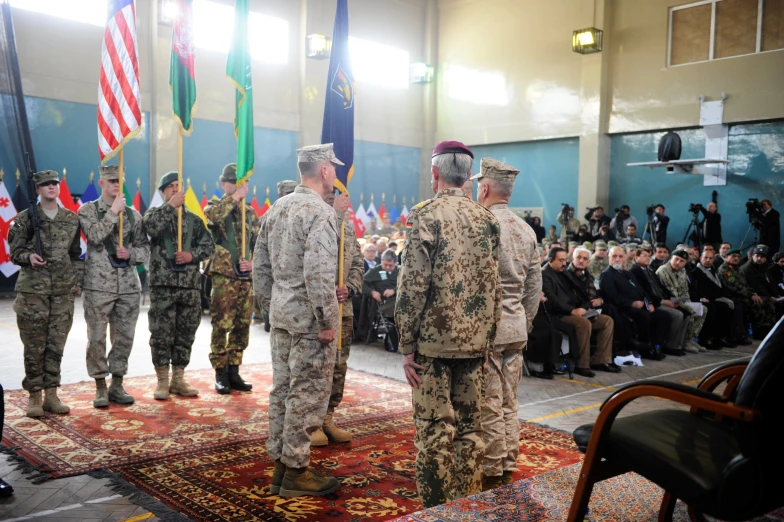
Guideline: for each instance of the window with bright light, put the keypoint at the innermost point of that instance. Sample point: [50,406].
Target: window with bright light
[480,87]
[92,12]
[379,64]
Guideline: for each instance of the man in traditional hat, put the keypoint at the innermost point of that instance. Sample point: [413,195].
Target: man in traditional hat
[446,314]
[175,282]
[112,289]
[521,282]
[232,289]
[45,291]
[294,276]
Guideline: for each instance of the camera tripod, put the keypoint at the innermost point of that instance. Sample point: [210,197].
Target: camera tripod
[696,232]
[755,238]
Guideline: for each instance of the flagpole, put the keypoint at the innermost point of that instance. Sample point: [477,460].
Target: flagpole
[242,256]
[341,257]
[179,187]
[121,181]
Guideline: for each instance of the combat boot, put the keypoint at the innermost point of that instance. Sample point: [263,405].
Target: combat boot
[53,403]
[117,393]
[506,478]
[222,381]
[178,385]
[318,439]
[277,477]
[489,483]
[101,394]
[34,408]
[235,381]
[161,392]
[333,433]
[299,482]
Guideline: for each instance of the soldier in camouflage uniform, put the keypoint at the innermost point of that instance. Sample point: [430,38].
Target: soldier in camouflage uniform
[45,290]
[111,292]
[521,281]
[448,306]
[353,270]
[599,261]
[674,278]
[761,313]
[175,282]
[232,289]
[294,276]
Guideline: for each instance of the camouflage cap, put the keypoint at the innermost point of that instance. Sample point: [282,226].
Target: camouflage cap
[167,179]
[317,154]
[229,174]
[574,244]
[493,169]
[110,172]
[588,245]
[286,187]
[600,245]
[612,243]
[45,176]
[630,247]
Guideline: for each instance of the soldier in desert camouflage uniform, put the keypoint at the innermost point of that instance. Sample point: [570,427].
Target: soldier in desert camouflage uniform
[232,289]
[45,289]
[673,277]
[111,293]
[521,280]
[175,302]
[599,261]
[448,306]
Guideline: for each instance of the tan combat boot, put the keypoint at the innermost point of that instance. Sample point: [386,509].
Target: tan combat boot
[299,482]
[161,392]
[489,483]
[117,393]
[333,433]
[53,403]
[277,477]
[101,394]
[34,408]
[178,385]
[318,439]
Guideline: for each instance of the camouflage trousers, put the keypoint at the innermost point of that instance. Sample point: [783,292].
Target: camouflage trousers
[120,312]
[762,316]
[302,369]
[499,409]
[230,308]
[341,364]
[695,322]
[174,317]
[44,322]
[447,418]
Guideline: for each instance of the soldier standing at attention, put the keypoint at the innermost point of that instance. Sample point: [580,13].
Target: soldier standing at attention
[111,285]
[175,301]
[353,270]
[45,290]
[448,307]
[294,277]
[521,281]
[231,306]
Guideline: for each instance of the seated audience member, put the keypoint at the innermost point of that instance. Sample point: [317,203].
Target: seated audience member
[381,284]
[673,277]
[758,312]
[562,302]
[582,235]
[776,272]
[652,326]
[631,236]
[370,253]
[542,352]
[599,261]
[660,256]
[721,257]
[659,298]
[552,235]
[605,234]
[756,274]
[726,318]
[570,251]
[393,247]
[381,246]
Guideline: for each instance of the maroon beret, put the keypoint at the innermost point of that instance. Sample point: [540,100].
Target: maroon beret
[449,147]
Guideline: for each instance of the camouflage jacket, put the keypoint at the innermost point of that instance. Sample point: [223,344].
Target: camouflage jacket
[676,283]
[295,262]
[216,213]
[60,237]
[100,275]
[160,224]
[733,282]
[521,276]
[353,268]
[449,293]
[597,266]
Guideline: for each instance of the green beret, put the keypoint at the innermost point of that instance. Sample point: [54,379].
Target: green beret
[45,176]
[167,179]
[682,254]
[733,251]
[229,174]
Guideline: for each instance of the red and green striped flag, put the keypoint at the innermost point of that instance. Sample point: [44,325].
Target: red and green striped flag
[239,74]
[182,72]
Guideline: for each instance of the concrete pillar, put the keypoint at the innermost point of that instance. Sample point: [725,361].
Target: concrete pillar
[429,92]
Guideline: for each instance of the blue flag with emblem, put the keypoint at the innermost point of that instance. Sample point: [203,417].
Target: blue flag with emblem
[338,127]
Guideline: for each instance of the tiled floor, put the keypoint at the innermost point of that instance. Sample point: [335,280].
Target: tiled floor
[561,403]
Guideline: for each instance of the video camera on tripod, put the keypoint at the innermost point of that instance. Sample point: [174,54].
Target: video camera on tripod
[755,211]
[695,208]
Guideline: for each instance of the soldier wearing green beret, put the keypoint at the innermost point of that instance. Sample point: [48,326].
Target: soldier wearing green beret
[45,290]
[175,302]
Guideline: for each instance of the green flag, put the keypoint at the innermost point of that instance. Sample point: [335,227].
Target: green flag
[182,72]
[238,72]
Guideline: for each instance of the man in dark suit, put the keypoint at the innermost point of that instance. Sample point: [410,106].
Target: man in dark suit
[563,302]
[652,325]
[770,233]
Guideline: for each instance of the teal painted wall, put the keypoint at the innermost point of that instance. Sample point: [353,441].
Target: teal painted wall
[391,170]
[756,170]
[548,173]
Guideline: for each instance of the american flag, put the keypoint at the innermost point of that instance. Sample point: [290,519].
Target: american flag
[119,98]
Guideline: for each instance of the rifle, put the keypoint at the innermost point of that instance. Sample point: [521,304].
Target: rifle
[32,210]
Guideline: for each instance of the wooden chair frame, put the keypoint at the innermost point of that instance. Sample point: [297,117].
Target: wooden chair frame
[701,399]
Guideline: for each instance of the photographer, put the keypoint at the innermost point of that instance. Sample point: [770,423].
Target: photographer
[770,229]
[596,219]
[567,220]
[660,223]
[711,224]
[605,234]
[622,220]
[582,235]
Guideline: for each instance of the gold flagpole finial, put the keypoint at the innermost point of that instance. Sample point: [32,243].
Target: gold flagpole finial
[92,175]
[254,191]
[189,182]
[18,177]
[64,173]
[268,191]
[394,200]
[2,175]
[383,196]
[138,183]
[371,197]
[404,201]
[361,198]
[204,187]
[217,185]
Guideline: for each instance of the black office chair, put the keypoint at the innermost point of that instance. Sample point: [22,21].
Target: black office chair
[723,458]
